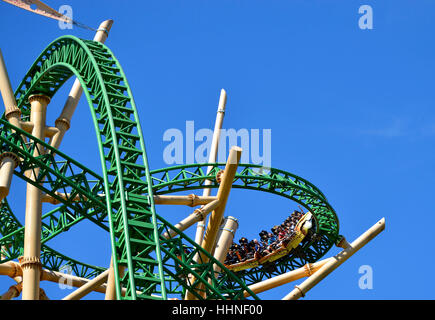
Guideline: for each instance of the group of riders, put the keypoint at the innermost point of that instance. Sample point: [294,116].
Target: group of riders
[269,241]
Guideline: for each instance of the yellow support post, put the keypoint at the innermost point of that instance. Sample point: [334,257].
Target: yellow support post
[215,219]
[212,157]
[336,261]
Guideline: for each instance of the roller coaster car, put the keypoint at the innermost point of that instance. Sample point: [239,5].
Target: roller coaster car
[247,264]
[292,241]
[301,230]
[286,246]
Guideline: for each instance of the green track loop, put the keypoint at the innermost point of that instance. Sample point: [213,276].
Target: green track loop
[121,200]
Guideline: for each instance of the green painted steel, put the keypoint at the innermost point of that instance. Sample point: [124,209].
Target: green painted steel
[168,180]
[121,149]
[12,247]
[131,216]
[278,182]
[121,201]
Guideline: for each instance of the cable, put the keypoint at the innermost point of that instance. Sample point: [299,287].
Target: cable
[42,9]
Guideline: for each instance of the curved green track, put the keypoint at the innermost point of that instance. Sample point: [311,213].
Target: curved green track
[121,200]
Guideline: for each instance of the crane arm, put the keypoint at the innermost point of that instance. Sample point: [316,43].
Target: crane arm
[42,9]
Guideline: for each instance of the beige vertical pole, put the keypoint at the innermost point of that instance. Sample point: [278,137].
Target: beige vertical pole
[212,157]
[215,219]
[111,283]
[8,162]
[12,112]
[64,120]
[225,240]
[216,216]
[336,261]
[30,262]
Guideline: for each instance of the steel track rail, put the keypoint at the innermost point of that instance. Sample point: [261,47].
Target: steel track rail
[153,263]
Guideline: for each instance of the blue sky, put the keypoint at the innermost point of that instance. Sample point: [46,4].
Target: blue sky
[350,110]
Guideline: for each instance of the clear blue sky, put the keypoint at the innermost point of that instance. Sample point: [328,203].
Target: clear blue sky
[350,110]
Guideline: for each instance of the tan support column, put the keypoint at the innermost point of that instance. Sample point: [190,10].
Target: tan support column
[13,292]
[111,283]
[11,269]
[343,243]
[12,113]
[215,220]
[63,122]
[305,271]
[212,157]
[88,287]
[55,276]
[191,200]
[336,261]
[225,240]
[197,215]
[8,162]
[49,199]
[30,262]
[42,295]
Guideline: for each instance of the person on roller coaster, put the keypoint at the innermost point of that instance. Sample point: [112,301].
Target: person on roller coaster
[271,241]
[290,225]
[251,250]
[275,231]
[248,252]
[263,238]
[231,255]
[282,234]
[240,253]
[297,214]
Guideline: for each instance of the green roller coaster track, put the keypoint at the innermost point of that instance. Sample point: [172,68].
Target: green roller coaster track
[121,200]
